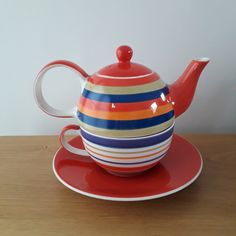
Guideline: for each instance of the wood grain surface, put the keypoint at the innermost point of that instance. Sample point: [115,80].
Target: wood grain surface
[33,202]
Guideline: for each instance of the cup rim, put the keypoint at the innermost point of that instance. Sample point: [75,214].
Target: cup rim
[133,138]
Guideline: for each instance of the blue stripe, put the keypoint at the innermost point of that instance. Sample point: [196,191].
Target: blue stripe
[132,143]
[124,98]
[125,124]
[133,163]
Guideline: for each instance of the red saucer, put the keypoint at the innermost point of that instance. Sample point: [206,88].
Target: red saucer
[177,170]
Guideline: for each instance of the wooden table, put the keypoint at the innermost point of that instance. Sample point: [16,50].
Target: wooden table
[33,202]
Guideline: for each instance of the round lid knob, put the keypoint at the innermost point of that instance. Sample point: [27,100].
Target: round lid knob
[124,67]
[124,53]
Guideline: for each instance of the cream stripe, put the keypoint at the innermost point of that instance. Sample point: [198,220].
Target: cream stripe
[127,166]
[120,160]
[127,133]
[127,159]
[127,139]
[124,152]
[159,84]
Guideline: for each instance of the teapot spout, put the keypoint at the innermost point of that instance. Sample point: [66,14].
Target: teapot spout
[183,89]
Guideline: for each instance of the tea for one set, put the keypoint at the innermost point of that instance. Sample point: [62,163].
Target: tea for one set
[126,149]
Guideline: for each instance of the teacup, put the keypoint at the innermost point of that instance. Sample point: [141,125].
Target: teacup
[121,156]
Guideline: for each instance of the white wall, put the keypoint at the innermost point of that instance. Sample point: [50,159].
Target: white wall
[165,36]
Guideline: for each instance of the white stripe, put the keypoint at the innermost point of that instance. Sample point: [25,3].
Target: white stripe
[126,150]
[127,166]
[120,160]
[126,155]
[125,77]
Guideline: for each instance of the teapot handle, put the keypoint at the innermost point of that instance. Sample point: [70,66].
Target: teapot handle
[43,105]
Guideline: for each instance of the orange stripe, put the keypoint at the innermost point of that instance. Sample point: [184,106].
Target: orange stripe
[135,115]
[128,158]
[116,107]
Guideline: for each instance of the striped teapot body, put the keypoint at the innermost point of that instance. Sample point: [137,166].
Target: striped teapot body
[126,112]
[130,110]
[126,121]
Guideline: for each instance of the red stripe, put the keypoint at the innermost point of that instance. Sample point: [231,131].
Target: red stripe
[116,107]
[125,170]
[123,82]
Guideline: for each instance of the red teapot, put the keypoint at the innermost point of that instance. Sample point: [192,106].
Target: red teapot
[126,113]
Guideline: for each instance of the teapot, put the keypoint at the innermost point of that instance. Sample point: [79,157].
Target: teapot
[125,113]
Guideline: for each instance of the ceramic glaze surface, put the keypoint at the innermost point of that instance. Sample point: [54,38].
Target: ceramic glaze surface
[126,112]
[127,156]
[125,99]
[179,169]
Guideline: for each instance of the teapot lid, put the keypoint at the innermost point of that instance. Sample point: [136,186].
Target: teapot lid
[124,67]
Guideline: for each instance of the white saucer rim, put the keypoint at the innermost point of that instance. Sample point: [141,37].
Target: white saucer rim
[130,199]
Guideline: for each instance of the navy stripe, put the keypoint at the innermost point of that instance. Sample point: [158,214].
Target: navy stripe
[125,124]
[132,143]
[126,163]
[124,98]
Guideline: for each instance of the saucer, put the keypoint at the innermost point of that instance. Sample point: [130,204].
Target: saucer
[178,169]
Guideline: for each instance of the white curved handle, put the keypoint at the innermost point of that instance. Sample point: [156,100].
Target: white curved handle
[43,105]
[66,145]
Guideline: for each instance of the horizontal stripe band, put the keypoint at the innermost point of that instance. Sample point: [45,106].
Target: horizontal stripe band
[126,124]
[127,133]
[139,97]
[123,81]
[123,157]
[126,163]
[133,115]
[126,152]
[158,84]
[127,169]
[132,143]
[120,107]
